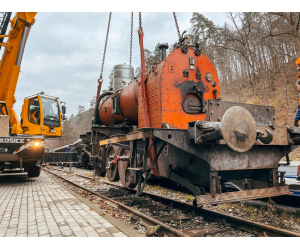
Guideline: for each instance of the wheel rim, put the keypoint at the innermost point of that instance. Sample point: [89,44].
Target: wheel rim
[102,161]
[125,173]
[112,170]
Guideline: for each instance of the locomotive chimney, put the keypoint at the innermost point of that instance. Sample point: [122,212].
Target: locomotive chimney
[163,47]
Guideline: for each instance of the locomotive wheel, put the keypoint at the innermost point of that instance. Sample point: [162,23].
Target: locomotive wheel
[102,161]
[124,173]
[112,170]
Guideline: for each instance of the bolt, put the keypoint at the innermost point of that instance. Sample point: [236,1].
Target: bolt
[211,103]
[219,119]
[268,109]
[199,124]
[218,103]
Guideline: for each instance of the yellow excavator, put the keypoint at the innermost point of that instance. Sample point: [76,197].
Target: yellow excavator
[22,142]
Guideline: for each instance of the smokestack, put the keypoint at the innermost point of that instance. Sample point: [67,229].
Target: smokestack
[163,47]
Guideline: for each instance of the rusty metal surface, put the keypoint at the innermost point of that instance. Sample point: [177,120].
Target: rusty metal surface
[111,166]
[223,158]
[180,79]
[129,103]
[105,112]
[280,135]
[202,232]
[102,131]
[124,172]
[139,134]
[261,114]
[238,129]
[154,97]
[242,195]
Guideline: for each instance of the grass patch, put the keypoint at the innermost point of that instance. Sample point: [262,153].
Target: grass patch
[103,178]
[189,198]
[225,206]
[89,175]
[250,210]
[155,188]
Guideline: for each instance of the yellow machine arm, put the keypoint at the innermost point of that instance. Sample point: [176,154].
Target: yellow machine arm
[10,64]
[40,113]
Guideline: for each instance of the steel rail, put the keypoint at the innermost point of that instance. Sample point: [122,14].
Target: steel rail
[234,221]
[145,217]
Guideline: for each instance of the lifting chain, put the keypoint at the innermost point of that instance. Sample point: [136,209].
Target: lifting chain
[130,58]
[176,24]
[140,22]
[105,46]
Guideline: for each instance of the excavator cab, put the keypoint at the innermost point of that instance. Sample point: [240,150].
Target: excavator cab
[41,115]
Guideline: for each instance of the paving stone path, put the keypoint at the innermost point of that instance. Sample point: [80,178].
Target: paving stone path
[41,207]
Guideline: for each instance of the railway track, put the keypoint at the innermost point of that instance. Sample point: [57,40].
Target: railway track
[126,200]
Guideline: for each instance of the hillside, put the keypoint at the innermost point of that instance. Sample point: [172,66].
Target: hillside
[281,93]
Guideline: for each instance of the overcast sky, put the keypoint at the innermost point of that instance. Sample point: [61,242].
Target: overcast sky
[63,53]
[64,50]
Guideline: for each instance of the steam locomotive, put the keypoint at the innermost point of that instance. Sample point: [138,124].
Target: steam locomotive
[194,139]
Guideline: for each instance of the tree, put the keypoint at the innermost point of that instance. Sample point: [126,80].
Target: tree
[238,39]
[203,29]
[111,83]
[93,102]
[151,58]
[287,23]
[68,135]
[80,109]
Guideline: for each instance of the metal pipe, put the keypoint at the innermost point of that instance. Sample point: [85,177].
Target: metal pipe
[22,44]
[163,47]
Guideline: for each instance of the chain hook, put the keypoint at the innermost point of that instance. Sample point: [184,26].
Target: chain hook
[176,24]
[105,46]
[140,30]
[131,32]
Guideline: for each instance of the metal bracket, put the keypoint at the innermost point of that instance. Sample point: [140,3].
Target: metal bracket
[281,178]
[194,189]
[247,185]
[267,139]
[202,132]
[215,183]
[116,103]
[146,169]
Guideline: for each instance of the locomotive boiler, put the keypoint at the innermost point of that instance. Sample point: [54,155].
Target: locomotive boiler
[194,139]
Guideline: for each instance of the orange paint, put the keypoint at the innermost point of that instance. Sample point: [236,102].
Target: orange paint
[166,88]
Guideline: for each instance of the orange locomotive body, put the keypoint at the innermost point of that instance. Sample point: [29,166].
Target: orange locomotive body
[177,92]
